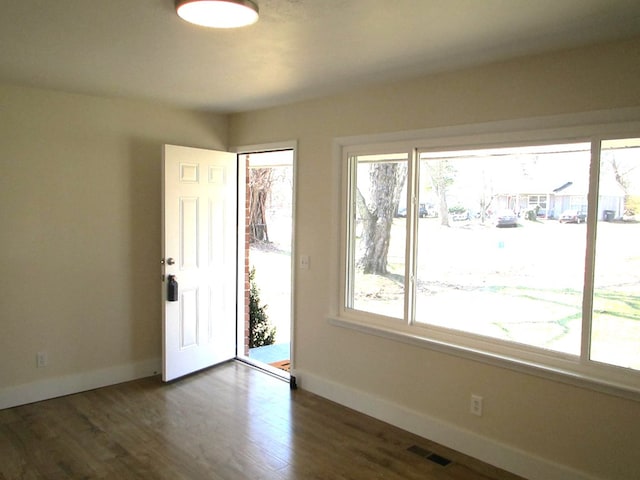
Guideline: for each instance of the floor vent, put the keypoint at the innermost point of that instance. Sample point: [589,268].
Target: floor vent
[439,460]
[419,451]
[433,457]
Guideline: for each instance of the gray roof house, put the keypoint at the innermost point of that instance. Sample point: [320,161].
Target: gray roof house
[551,202]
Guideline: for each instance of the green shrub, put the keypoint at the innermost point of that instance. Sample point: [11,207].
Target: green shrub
[261,332]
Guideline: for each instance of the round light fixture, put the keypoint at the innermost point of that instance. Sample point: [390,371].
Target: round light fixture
[218,13]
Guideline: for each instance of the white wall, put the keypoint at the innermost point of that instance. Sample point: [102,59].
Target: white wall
[80,236]
[536,427]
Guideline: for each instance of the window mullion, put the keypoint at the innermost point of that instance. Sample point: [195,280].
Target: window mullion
[590,256]
[411,238]
[350,173]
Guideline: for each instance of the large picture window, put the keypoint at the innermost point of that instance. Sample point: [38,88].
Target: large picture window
[532,249]
[490,264]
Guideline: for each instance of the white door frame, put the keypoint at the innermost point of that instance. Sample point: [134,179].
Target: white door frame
[242,235]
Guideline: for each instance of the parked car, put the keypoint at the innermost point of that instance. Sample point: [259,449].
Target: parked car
[427,210]
[506,218]
[422,211]
[573,216]
[460,217]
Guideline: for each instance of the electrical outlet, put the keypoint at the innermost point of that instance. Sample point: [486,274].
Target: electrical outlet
[41,359]
[476,405]
[305,262]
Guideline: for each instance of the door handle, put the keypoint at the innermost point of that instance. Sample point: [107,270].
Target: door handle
[170,261]
[172,289]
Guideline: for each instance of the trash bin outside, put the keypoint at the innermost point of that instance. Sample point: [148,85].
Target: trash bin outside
[608,215]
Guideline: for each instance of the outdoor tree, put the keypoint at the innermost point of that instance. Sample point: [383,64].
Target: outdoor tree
[442,174]
[486,196]
[623,171]
[261,332]
[386,181]
[260,182]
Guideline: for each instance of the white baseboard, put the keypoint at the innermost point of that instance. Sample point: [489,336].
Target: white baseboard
[464,441]
[56,387]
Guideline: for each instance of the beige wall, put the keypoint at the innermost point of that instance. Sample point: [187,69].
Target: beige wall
[80,232]
[588,431]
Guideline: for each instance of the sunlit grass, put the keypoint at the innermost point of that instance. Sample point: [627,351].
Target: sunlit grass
[519,285]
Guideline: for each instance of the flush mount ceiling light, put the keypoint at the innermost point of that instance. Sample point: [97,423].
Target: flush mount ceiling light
[218,13]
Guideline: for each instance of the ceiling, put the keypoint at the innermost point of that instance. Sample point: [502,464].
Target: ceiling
[299,49]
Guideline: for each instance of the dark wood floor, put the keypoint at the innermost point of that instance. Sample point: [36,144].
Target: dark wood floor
[229,422]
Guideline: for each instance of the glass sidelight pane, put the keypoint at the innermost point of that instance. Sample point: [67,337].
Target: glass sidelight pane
[377,234]
[615,336]
[501,246]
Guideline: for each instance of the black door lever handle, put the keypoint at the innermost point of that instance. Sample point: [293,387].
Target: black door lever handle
[172,289]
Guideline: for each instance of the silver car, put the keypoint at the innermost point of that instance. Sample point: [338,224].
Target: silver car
[506,218]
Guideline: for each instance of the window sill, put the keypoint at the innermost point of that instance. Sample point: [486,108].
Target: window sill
[559,374]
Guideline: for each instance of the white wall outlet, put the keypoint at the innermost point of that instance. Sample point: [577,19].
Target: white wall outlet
[476,405]
[305,262]
[41,359]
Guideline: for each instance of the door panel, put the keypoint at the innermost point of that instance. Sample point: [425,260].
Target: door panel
[199,248]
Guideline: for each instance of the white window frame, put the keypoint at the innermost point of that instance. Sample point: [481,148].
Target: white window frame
[593,127]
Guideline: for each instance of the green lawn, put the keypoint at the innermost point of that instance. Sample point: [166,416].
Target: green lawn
[520,284]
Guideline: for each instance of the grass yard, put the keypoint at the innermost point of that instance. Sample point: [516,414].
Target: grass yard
[519,284]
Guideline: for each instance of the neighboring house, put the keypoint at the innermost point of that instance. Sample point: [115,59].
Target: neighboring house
[522,202]
[568,196]
[573,196]
[524,195]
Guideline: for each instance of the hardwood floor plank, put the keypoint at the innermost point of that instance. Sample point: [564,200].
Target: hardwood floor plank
[229,422]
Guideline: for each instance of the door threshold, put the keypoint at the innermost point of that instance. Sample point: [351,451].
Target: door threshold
[265,367]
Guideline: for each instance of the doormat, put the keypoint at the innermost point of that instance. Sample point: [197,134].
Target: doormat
[282,365]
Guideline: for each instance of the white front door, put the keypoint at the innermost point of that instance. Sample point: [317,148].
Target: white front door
[199,251]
